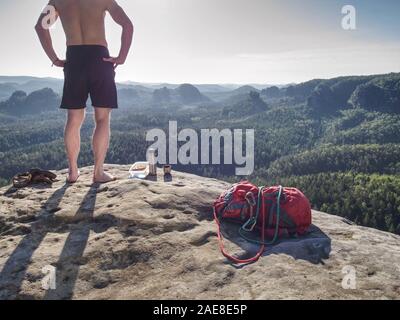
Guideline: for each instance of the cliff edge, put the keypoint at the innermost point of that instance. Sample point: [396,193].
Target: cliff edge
[156,239]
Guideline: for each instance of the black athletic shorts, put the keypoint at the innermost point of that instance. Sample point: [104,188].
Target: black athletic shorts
[86,74]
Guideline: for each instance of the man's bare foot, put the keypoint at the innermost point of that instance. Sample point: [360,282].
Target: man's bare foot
[73,176]
[103,178]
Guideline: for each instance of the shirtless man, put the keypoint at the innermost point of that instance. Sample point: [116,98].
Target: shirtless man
[88,70]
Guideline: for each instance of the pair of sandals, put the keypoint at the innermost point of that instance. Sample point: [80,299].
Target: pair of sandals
[33,176]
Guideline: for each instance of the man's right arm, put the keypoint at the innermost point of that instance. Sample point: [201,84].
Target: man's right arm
[42,26]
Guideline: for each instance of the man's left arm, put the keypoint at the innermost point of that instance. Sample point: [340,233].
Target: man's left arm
[120,17]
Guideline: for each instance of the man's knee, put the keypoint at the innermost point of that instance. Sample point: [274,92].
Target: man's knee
[75,117]
[102,115]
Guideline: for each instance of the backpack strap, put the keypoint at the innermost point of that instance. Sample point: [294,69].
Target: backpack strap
[260,206]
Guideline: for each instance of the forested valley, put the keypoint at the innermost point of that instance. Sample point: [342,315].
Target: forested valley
[338,140]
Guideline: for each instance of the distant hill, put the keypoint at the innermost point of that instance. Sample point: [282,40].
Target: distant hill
[334,94]
[137,88]
[162,95]
[379,94]
[271,92]
[185,94]
[150,85]
[36,102]
[30,84]
[6,90]
[250,105]
[214,92]
[233,96]
[326,97]
[190,94]
[127,94]
[205,88]
[245,90]
[302,90]
[19,79]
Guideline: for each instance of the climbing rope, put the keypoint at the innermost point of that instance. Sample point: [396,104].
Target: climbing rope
[243,230]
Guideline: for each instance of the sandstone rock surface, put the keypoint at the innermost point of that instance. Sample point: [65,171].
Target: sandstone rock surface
[133,239]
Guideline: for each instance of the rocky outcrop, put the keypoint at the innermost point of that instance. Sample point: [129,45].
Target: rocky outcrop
[249,104]
[20,103]
[155,239]
[189,94]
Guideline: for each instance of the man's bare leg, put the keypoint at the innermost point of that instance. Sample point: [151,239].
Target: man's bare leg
[101,140]
[72,139]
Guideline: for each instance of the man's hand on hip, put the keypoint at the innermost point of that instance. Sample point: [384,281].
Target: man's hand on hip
[115,61]
[59,63]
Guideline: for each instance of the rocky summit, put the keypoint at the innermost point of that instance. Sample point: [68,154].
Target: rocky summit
[156,239]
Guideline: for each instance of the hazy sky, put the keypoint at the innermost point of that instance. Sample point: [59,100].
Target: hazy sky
[224,41]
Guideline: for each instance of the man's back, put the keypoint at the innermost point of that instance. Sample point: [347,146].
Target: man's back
[83,20]
[88,70]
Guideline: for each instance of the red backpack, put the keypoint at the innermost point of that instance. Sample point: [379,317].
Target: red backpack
[274,211]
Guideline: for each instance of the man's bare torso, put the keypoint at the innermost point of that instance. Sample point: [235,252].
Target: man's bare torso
[83,20]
